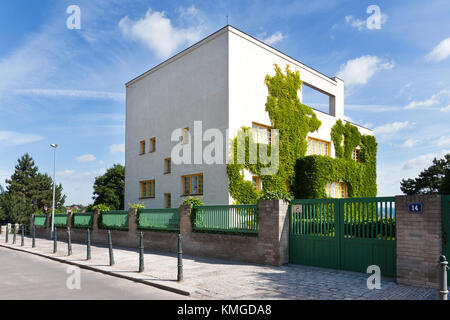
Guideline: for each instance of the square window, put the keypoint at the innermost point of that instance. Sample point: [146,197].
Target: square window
[147,189]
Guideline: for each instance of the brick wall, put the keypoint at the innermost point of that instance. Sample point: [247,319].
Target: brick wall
[419,241]
[269,247]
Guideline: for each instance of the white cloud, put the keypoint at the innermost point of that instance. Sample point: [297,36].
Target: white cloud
[73,94]
[440,52]
[359,24]
[423,161]
[12,138]
[117,148]
[359,71]
[443,142]
[410,143]
[425,103]
[86,158]
[156,31]
[65,173]
[391,128]
[445,109]
[435,99]
[274,38]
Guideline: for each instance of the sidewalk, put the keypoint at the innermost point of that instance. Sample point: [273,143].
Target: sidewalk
[207,278]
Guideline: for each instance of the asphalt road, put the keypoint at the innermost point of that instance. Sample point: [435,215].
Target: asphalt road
[28,277]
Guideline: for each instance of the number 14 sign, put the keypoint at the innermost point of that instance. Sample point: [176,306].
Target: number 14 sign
[415,207]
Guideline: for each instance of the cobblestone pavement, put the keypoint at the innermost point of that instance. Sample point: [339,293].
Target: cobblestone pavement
[207,278]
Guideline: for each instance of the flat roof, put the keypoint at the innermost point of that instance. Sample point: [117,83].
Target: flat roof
[211,37]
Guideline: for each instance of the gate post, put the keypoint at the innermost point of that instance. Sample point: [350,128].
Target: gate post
[419,239]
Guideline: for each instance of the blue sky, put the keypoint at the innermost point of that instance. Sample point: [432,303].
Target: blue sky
[67,86]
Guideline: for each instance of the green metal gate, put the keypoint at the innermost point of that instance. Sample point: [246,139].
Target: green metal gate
[446,228]
[349,234]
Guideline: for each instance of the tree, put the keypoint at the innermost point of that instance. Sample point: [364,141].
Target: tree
[429,180]
[109,189]
[28,191]
[445,186]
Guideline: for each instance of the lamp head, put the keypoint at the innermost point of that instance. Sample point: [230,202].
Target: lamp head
[54,145]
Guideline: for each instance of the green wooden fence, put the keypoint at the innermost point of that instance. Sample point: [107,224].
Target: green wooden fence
[348,234]
[83,220]
[159,219]
[40,220]
[114,220]
[227,218]
[60,220]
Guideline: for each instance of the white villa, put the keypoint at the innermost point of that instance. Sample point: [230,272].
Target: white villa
[220,82]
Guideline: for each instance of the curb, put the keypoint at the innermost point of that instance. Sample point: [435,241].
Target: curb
[110,273]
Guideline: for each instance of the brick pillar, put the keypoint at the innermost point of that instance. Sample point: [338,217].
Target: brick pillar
[273,234]
[419,240]
[185,220]
[132,223]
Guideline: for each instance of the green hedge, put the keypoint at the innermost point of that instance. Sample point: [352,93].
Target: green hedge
[312,173]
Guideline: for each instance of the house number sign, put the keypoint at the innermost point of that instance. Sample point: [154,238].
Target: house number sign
[415,207]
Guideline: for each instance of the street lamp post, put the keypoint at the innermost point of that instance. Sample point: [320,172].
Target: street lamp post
[54,146]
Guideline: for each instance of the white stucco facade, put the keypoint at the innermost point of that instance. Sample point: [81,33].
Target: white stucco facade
[219,81]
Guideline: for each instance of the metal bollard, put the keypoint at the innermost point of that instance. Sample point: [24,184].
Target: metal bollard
[141,252]
[88,254]
[55,240]
[69,243]
[14,234]
[7,233]
[111,255]
[443,267]
[33,241]
[180,260]
[23,236]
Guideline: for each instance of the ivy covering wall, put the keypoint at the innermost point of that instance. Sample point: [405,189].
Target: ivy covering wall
[304,176]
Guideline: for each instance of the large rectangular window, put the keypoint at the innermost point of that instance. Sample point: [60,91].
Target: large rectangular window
[356,155]
[147,189]
[262,133]
[257,182]
[192,184]
[336,190]
[318,147]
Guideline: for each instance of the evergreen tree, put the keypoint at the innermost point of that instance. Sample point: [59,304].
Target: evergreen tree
[109,189]
[28,191]
[429,180]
